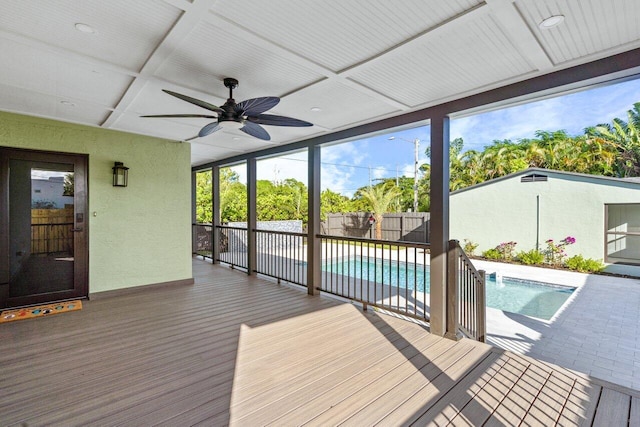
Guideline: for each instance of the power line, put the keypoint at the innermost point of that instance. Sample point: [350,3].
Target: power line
[344,165]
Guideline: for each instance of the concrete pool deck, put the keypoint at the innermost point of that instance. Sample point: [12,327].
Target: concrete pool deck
[595,332]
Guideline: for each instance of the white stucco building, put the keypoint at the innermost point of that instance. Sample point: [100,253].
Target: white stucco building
[50,190]
[533,205]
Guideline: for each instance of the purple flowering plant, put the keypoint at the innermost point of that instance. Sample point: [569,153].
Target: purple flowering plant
[554,253]
[506,250]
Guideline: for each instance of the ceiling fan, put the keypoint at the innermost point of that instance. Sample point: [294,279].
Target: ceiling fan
[246,115]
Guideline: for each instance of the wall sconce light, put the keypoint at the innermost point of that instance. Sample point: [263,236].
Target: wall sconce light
[120,174]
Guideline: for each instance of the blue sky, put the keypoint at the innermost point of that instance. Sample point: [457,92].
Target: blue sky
[348,166]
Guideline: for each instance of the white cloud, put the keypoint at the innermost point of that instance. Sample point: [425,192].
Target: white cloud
[341,164]
[292,165]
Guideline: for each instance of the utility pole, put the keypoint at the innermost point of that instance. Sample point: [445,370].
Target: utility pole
[416,146]
[416,143]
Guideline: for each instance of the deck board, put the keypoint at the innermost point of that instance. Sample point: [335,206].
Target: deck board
[634,414]
[414,393]
[519,400]
[240,350]
[447,407]
[613,409]
[550,401]
[403,378]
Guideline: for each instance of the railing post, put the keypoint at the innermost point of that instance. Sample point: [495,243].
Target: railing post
[314,244]
[252,216]
[194,232]
[481,308]
[439,182]
[215,209]
[453,277]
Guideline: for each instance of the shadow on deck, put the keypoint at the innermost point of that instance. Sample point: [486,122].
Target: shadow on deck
[241,350]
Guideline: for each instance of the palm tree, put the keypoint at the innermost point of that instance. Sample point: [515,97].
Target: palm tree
[626,135]
[379,200]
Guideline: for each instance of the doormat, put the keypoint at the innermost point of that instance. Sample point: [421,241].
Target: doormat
[39,310]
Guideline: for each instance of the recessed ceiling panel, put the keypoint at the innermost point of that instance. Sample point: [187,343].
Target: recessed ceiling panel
[36,104]
[338,33]
[589,27]
[47,73]
[125,32]
[208,55]
[463,58]
[340,105]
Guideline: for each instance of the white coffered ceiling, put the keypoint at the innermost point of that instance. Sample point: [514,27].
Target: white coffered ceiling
[356,61]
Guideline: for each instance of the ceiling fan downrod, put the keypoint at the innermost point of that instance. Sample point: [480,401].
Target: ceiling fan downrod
[231,83]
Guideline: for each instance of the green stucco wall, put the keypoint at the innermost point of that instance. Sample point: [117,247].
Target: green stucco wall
[140,234]
[505,210]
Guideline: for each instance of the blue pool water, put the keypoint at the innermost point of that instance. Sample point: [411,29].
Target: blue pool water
[526,297]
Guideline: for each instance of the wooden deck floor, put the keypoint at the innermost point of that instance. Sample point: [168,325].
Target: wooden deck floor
[245,351]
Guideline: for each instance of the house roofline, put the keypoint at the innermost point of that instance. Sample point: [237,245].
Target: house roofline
[555,172]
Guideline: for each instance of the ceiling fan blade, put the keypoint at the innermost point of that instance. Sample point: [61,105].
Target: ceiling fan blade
[195,101]
[192,138]
[209,129]
[273,120]
[182,115]
[256,131]
[251,107]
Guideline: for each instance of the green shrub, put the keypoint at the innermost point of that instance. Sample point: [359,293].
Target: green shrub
[532,257]
[492,254]
[469,247]
[584,265]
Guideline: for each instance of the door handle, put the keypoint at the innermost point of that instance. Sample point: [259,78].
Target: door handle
[75,230]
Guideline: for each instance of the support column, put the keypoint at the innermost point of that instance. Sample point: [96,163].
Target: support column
[252,216]
[215,209]
[194,209]
[439,233]
[314,245]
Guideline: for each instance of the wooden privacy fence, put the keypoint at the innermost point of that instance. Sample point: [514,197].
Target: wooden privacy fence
[51,230]
[403,226]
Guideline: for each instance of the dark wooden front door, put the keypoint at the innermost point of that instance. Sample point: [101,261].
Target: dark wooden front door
[43,227]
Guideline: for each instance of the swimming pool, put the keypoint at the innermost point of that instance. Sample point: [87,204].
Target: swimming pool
[531,298]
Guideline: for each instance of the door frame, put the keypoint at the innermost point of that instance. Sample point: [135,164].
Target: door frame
[80,225]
